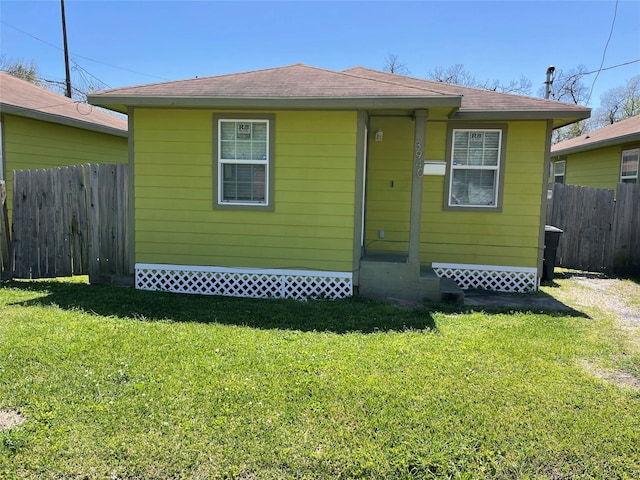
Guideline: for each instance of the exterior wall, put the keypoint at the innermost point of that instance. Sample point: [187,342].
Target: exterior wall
[595,168]
[311,226]
[489,238]
[33,144]
[509,238]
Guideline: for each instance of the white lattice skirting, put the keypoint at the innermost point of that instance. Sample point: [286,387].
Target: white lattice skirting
[244,282]
[489,277]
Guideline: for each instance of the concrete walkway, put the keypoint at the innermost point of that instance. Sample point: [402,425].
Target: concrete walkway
[520,301]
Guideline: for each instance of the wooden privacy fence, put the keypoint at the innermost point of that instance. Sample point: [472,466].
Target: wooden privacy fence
[601,234]
[72,221]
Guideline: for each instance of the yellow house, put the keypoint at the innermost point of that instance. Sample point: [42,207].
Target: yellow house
[299,181]
[602,158]
[41,129]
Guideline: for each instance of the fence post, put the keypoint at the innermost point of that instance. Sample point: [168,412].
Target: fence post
[6,257]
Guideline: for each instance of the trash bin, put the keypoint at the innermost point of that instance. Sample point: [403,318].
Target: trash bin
[551,240]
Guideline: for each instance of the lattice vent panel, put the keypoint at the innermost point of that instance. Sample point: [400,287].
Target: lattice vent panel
[298,285]
[489,279]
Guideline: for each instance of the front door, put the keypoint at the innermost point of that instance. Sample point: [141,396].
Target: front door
[388,200]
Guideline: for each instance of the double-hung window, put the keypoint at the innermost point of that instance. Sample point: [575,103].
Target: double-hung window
[629,168]
[559,167]
[475,158]
[243,150]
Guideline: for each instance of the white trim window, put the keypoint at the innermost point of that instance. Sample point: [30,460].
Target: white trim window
[475,168]
[629,166]
[243,161]
[559,169]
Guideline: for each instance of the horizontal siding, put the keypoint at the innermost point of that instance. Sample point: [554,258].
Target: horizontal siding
[596,168]
[33,144]
[311,226]
[490,238]
[507,238]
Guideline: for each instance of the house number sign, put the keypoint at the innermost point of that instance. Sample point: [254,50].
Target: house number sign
[243,131]
[419,164]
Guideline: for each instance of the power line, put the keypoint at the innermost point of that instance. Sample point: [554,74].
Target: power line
[82,56]
[604,53]
[584,74]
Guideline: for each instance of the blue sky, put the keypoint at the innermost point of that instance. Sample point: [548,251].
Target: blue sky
[128,43]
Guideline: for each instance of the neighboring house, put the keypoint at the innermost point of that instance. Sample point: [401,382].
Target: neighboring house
[299,181]
[41,129]
[602,158]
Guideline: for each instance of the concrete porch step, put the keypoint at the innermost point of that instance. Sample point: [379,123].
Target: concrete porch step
[448,290]
[390,276]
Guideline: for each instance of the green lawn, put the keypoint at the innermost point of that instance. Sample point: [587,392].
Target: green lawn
[117,383]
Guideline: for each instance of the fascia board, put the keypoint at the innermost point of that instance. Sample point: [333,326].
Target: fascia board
[118,101]
[632,137]
[60,120]
[560,117]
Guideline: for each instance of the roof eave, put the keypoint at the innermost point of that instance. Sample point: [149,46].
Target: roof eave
[609,142]
[61,120]
[560,117]
[121,102]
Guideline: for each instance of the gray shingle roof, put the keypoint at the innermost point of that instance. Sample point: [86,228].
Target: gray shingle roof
[473,99]
[19,97]
[302,85]
[617,133]
[293,81]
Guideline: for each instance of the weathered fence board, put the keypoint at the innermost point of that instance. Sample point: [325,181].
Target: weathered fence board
[69,221]
[600,234]
[107,208]
[625,231]
[6,266]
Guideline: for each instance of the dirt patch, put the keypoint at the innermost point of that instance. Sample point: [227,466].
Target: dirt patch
[593,292]
[10,419]
[616,377]
[620,299]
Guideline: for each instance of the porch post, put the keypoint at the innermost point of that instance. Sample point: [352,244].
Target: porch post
[415,219]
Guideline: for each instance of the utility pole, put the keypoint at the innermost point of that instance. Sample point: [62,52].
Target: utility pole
[550,76]
[66,51]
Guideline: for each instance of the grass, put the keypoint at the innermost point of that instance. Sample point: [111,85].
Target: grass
[118,383]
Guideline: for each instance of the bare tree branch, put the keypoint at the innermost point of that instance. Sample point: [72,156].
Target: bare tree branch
[393,65]
[457,75]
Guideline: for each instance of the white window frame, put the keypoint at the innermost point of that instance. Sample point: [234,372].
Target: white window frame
[555,171]
[626,178]
[497,169]
[219,202]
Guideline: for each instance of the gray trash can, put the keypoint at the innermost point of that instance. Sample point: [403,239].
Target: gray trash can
[551,240]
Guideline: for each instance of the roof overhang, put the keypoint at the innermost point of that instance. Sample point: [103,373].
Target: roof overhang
[560,117]
[60,120]
[609,142]
[120,103]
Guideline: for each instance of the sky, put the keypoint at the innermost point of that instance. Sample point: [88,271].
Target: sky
[125,43]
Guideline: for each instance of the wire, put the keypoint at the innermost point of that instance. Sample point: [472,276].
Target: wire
[609,68]
[604,53]
[82,56]
[79,68]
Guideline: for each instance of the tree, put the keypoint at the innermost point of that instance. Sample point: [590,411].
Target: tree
[618,103]
[457,75]
[567,86]
[82,83]
[21,69]
[393,65]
